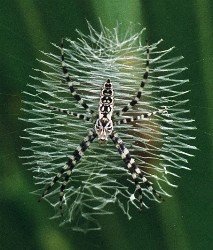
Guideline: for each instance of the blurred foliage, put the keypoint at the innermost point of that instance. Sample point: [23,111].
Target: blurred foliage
[182,222]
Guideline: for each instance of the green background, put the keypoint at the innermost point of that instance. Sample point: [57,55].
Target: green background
[27,26]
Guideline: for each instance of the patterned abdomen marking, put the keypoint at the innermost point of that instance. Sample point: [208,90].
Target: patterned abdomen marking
[106,101]
[105,109]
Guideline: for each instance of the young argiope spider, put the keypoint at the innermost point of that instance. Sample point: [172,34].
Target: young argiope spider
[104,122]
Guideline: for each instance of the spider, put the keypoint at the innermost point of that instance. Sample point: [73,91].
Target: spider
[103,130]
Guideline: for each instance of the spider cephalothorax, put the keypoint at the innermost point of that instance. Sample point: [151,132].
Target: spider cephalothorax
[103,130]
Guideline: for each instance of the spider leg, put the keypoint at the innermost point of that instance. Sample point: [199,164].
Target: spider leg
[77,155]
[72,161]
[133,168]
[70,84]
[136,99]
[67,112]
[141,117]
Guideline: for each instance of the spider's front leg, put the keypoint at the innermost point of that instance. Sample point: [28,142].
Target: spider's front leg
[71,163]
[133,168]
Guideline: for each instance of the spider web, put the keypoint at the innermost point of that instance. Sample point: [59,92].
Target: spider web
[160,145]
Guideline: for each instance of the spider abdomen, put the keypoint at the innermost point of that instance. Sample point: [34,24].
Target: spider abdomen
[106,101]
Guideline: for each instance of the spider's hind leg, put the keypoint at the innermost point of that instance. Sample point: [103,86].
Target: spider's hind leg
[144,81]
[69,82]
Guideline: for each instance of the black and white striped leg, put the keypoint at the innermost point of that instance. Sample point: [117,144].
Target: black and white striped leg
[70,83]
[73,160]
[133,168]
[67,169]
[143,116]
[67,112]
[129,161]
[136,99]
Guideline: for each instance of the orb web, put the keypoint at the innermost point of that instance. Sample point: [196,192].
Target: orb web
[160,145]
